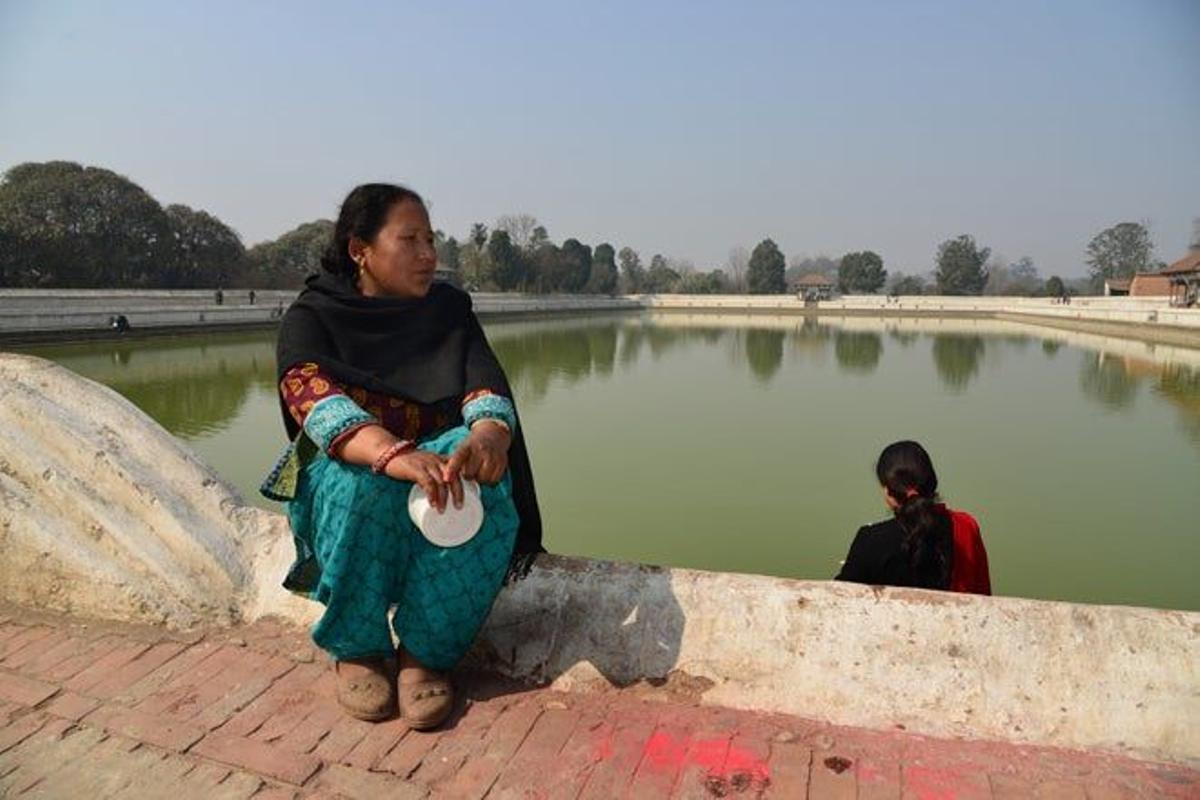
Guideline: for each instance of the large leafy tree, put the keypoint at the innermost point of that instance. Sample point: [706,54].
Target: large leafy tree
[575,262]
[448,251]
[508,269]
[1119,252]
[284,262]
[661,278]
[764,275]
[207,251]
[902,285]
[64,224]
[713,282]
[861,273]
[633,275]
[603,278]
[520,228]
[960,266]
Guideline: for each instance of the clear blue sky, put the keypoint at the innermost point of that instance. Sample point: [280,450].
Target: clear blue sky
[684,128]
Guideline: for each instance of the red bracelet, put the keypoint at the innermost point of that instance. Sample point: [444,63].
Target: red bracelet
[385,458]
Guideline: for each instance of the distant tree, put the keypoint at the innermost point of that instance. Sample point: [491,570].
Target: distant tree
[284,262]
[764,275]
[735,266]
[1055,287]
[660,278]
[1023,277]
[207,251]
[714,282]
[633,276]
[538,238]
[903,285]
[576,265]
[520,228]
[507,270]
[861,273]
[544,268]
[448,251]
[1119,252]
[69,225]
[479,235]
[960,266]
[603,278]
[474,267]
[1194,244]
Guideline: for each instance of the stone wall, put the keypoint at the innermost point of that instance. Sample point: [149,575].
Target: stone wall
[76,313]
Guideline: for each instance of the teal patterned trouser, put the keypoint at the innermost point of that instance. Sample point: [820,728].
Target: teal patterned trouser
[371,557]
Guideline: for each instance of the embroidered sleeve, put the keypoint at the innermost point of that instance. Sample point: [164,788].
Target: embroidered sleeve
[485,404]
[326,412]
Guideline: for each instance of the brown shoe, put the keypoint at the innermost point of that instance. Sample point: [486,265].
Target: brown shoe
[365,688]
[426,705]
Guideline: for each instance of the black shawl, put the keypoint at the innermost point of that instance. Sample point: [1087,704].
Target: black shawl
[426,350]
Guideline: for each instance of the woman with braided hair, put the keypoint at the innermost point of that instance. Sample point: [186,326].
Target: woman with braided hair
[925,544]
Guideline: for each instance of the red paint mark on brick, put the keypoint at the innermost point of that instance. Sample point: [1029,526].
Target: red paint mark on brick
[744,762]
[663,752]
[945,783]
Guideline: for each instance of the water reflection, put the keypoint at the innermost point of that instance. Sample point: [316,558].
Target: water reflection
[192,386]
[957,359]
[764,353]
[196,385]
[1107,380]
[1181,387]
[536,358]
[858,351]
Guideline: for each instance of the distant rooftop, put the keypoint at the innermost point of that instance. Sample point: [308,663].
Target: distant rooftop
[1189,263]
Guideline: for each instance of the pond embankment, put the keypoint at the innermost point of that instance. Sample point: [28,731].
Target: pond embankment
[62,314]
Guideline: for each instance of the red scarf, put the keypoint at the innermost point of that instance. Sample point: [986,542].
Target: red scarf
[969,572]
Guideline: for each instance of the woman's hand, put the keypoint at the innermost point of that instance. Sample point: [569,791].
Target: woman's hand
[483,456]
[425,470]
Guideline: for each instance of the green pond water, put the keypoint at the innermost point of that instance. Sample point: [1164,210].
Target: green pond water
[747,443]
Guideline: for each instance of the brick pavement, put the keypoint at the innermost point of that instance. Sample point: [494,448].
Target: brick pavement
[101,710]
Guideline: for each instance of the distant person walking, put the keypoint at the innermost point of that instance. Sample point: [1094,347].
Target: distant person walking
[925,544]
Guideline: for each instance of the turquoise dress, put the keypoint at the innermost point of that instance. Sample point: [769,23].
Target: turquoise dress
[359,553]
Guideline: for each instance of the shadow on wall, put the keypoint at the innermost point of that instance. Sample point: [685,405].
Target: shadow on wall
[593,619]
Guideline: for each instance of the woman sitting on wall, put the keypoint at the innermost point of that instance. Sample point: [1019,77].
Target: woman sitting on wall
[924,544]
[387,381]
